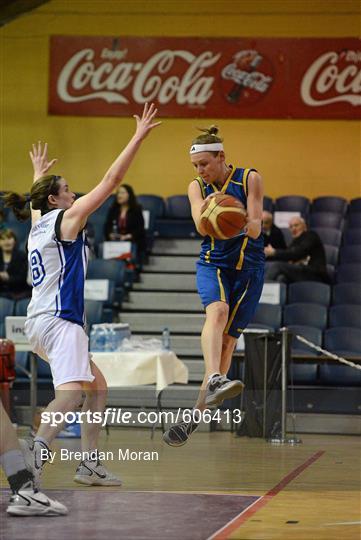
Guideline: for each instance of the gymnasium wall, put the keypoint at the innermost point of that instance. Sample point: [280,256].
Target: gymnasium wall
[306,157]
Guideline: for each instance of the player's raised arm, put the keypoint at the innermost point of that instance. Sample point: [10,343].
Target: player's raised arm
[254,205]
[76,216]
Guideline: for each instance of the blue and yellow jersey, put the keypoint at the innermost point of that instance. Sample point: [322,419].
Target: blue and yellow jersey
[240,252]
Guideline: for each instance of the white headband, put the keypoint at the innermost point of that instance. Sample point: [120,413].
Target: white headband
[209,147]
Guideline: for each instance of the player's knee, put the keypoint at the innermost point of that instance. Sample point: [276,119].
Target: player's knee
[219,313]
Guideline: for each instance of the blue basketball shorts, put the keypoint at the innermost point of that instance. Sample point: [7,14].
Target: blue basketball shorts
[240,289]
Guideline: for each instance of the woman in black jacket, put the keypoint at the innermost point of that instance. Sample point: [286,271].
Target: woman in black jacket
[125,220]
[13,267]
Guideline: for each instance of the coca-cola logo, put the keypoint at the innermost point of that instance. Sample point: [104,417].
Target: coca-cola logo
[115,80]
[247,78]
[331,78]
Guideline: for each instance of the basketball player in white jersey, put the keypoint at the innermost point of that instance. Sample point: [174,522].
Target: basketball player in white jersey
[55,320]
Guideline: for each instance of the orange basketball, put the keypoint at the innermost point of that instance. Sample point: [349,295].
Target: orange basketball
[223,216]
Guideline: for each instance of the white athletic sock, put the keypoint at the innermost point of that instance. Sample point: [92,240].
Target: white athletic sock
[12,462]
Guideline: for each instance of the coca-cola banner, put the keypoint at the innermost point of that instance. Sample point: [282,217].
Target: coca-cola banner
[199,77]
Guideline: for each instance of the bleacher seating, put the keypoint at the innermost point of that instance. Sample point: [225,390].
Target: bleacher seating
[345,315]
[269,315]
[354,220]
[354,205]
[308,332]
[305,315]
[350,273]
[267,204]
[7,307]
[352,237]
[346,293]
[331,237]
[338,205]
[326,220]
[343,341]
[331,253]
[350,254]
[293,203]
[309,292]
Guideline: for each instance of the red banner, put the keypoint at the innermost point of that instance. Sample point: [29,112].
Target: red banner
[213,78]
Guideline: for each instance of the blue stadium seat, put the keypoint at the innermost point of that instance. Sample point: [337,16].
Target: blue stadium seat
[338,205]
[331,237]
[355,205]
[303,373]
[343,341]
[293,203]
[112,269]
[175,228]
[43,371]
[350,254]
[332,374]
[305,315]
[269,315]
[21,230]
[178,207]
[100,213]
[7,308]
[345,315]
[346,293]
[309,292]
[21,307]
[96,224]
[22,366]
[308,332]
[354,220]
[331,253]
[350,273]
[267,204]
[93,312]
[154,203]
[352,236]
[326,220]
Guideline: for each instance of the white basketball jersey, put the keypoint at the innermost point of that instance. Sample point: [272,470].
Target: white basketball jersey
[58,271]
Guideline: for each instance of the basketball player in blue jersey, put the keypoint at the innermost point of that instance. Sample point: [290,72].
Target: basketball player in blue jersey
[58,250]
[230,273]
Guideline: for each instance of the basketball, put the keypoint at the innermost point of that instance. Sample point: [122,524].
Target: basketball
[223,216]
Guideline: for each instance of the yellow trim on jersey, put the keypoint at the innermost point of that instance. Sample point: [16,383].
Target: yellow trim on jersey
[221,288]
[201,185]
[241,255]
[225,185]
[238,183]
[235,309]
[245,180]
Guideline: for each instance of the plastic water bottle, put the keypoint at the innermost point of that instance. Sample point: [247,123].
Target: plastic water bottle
[97,338]
[115,230]
[93,338]
[166,339]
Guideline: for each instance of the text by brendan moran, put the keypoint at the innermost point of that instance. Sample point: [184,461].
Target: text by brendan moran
[123,454]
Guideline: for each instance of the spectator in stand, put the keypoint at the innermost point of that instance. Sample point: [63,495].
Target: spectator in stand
[125,220]
[13,267]
[303,260]
[272,235]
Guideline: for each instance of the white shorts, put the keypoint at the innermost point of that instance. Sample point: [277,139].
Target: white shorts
[63,344]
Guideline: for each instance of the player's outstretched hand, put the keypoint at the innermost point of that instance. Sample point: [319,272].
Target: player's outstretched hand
[40,160]
[146,123]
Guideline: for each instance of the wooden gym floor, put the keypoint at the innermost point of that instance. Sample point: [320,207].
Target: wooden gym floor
[217,486]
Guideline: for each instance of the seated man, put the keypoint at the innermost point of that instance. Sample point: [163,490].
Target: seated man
[272,235]
[303,260]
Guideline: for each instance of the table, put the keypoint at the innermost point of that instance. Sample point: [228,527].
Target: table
[135,368]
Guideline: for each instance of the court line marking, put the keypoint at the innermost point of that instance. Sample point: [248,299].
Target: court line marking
[224,532]
[341,523]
